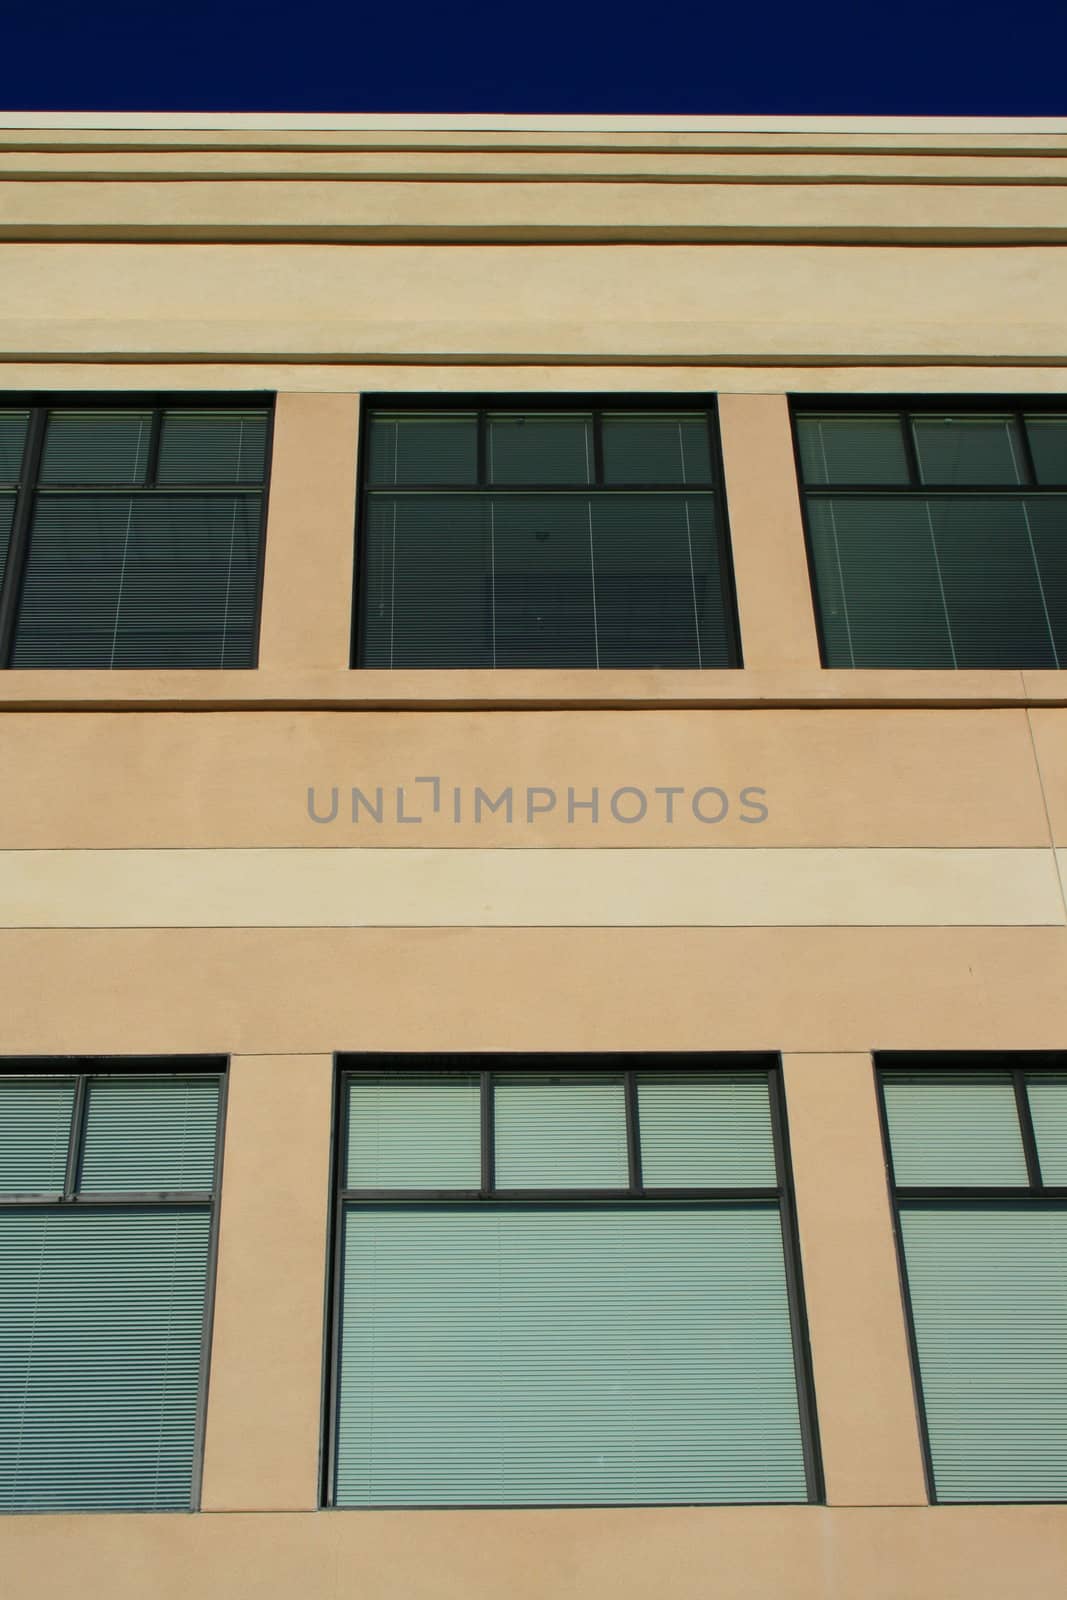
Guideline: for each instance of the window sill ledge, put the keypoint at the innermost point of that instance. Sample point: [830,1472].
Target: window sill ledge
[326,689]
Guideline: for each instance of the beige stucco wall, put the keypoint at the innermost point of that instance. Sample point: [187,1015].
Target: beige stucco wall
[738,1553]
[163,887]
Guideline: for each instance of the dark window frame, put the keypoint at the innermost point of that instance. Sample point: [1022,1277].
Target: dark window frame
[904,407]
[29,485]
[1019,1065]
[83,1069]
[481,404]
[349,1066]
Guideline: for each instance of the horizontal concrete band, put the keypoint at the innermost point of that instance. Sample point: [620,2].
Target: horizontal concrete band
[358,887]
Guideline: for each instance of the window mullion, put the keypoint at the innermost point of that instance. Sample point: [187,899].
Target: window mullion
[1026,1129]
[633,1134]
[911,452]
[488,1139]
[19,543]
[1028,454]
[77,1130]
[154,436]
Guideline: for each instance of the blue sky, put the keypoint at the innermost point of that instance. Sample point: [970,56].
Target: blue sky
[969,57]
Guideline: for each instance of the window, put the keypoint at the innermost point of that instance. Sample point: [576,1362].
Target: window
[978,1156]
[528,536]
[938,536]
[107,1183]
[565,1283]
[131,533]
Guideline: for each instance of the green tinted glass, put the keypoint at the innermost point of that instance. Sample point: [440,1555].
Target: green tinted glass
[560,1135]
[881,600]
[7,513]
[1048,446]
[952,581]
[96,447]
[966,450]
[558,1355]
[13,425]
[996,605]
[147,580]
[712,1132]
[544,580]
[542,576]
[145,1135]
[213,447]
[540,447]
[852,449]
[954,1129]
[1048,1110]
[986,1284]
[421,449]
[656,449]
[35,1118]
[101,1350]
[414,1133]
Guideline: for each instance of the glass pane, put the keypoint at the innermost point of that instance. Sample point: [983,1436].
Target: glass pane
[852,449]
[414,1133]
[1048,1109]
[990,1308]
[1048,446]
[101,1345]
[34,1134]
[986,558]
[427,591]
[543,612]
[656,449]
[7,513]
[968,449]
[706,1133]
[540,447]
[558,1355]
[212,447]
[1046,521]
[659,589]
[145,1135]
[96,447]
[508,581]
[879,591]
[552,1135]
[13,425]
[954,1128]
[151,581]
[424,449]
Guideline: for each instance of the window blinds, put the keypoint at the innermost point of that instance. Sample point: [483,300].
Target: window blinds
[101,1337]
[103,1285]
[987,1274]
[144,543]
[988,1286]
[13,425]
[548,539]
[938,541]
[564,1355]
[555,1350]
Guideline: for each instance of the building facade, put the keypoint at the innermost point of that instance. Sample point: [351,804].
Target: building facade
[533,849]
